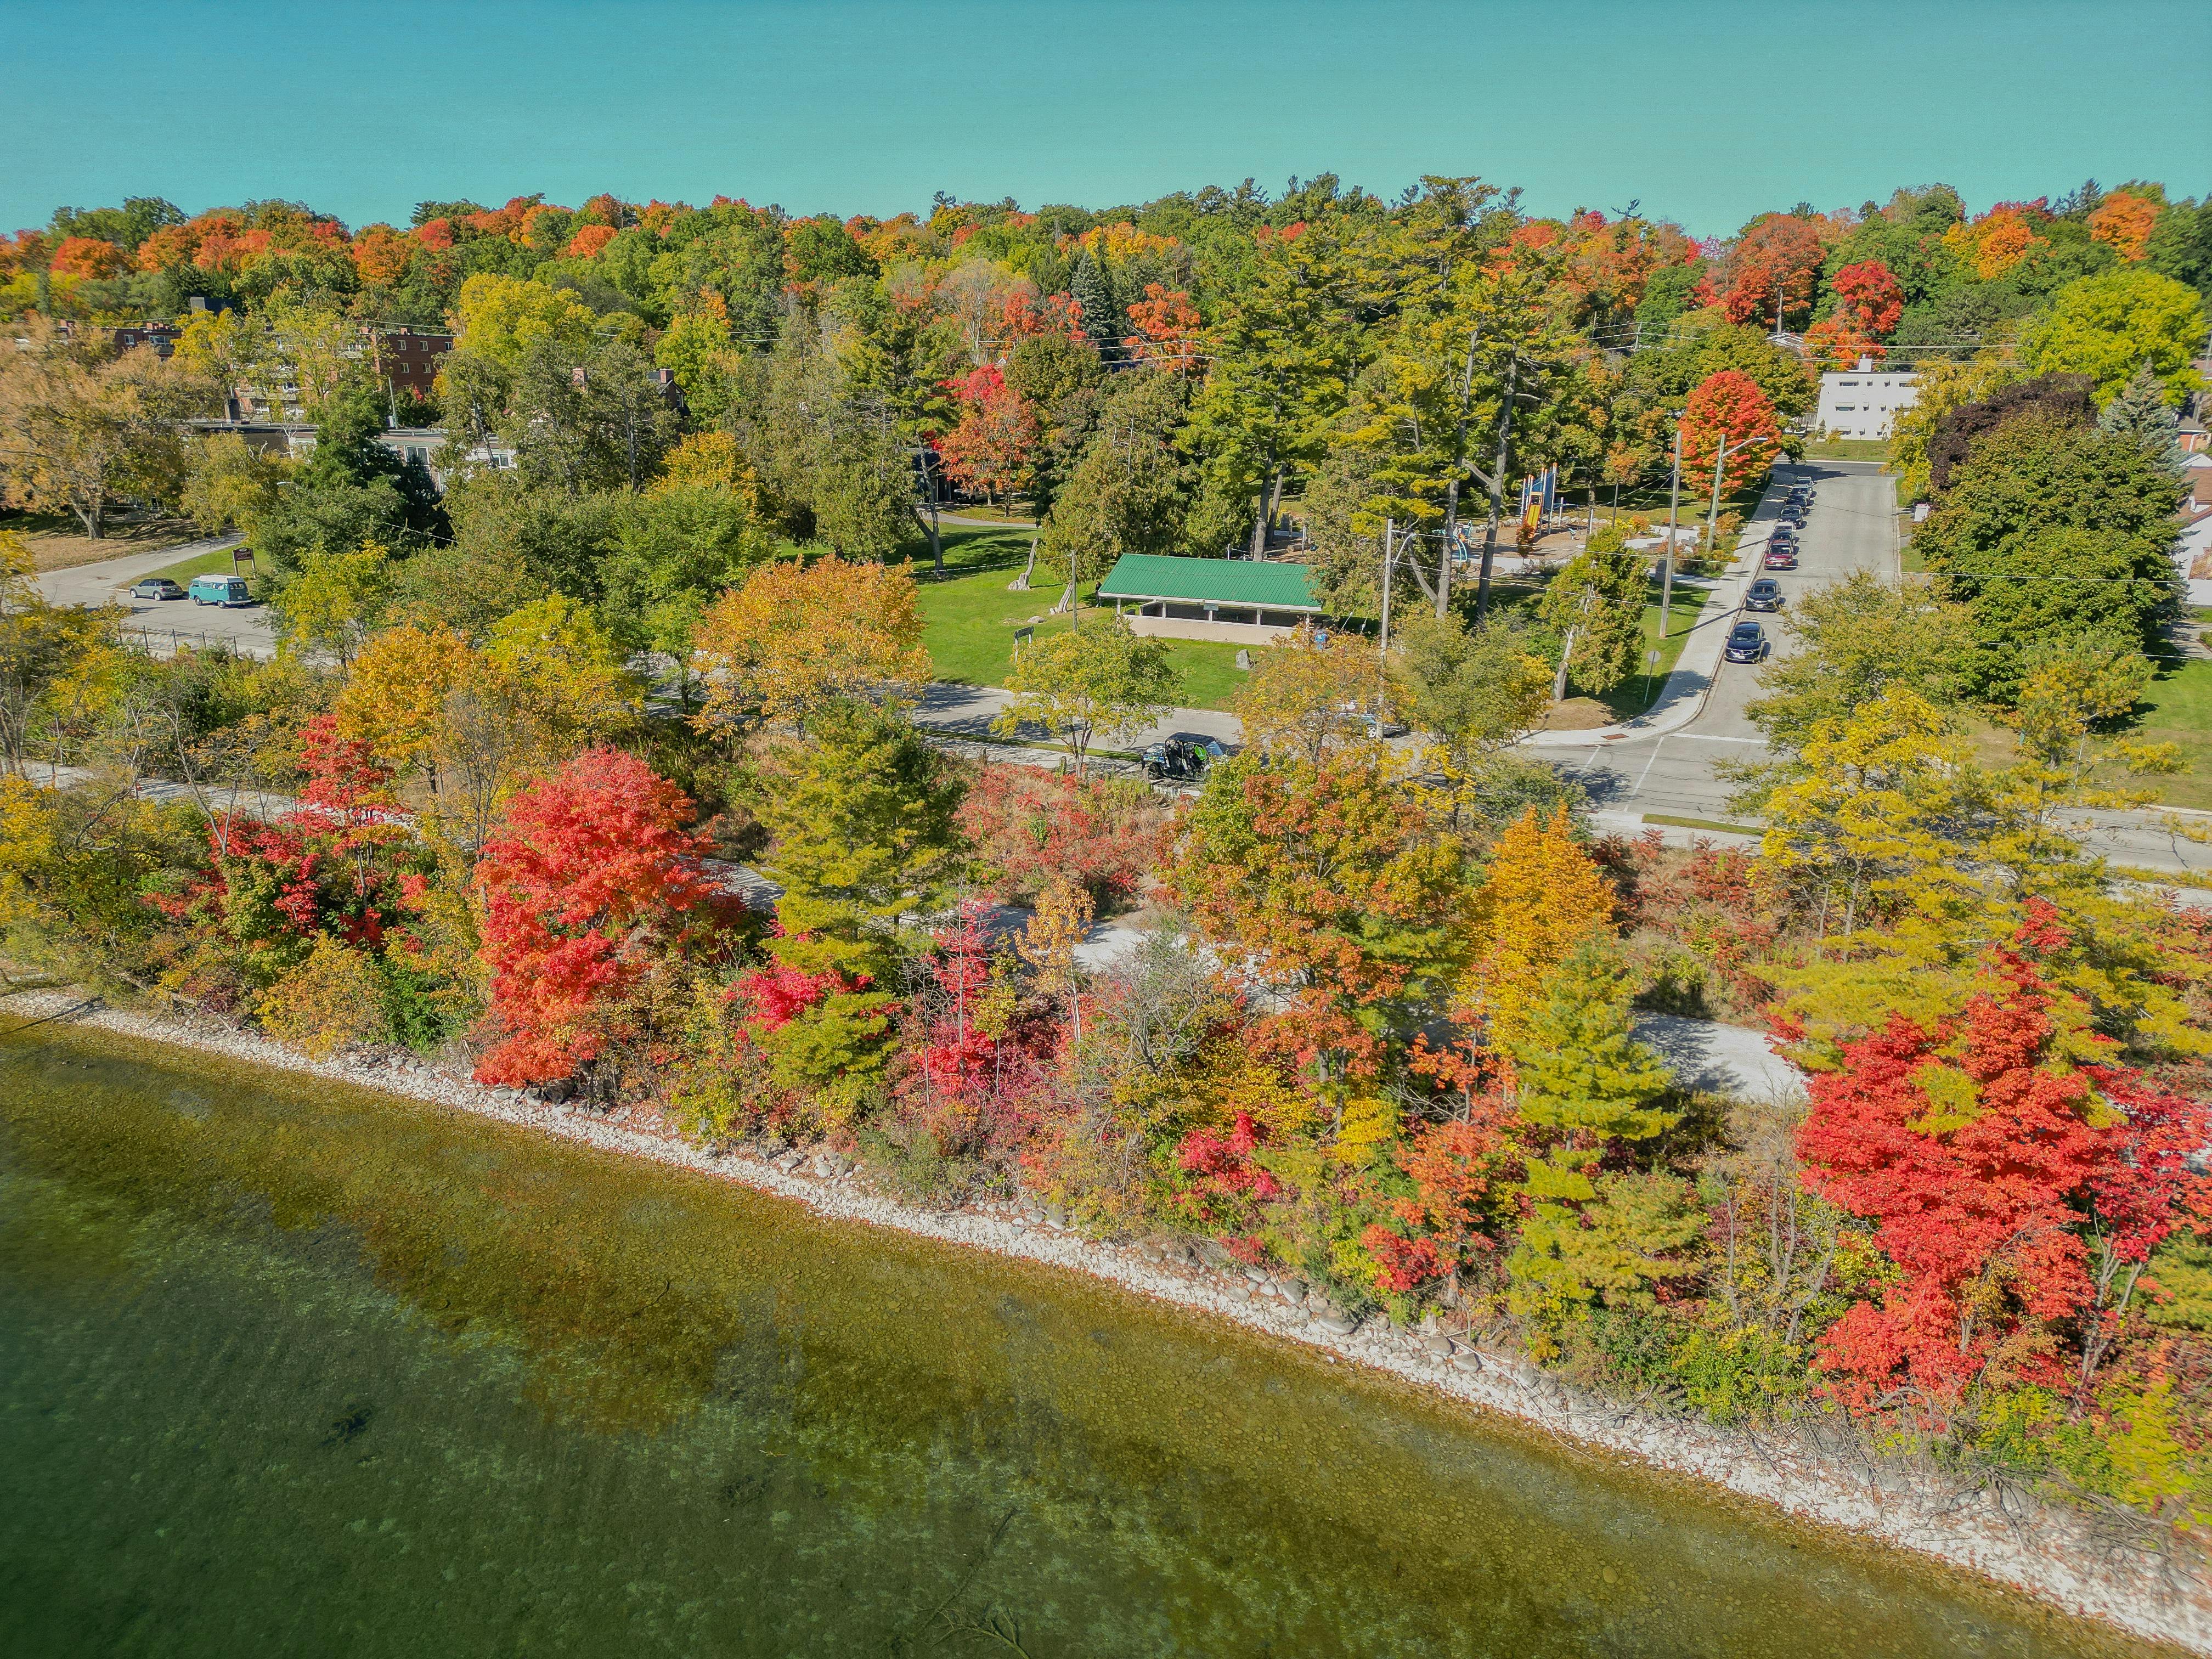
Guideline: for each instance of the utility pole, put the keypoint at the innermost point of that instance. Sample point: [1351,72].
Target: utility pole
[1713,513]
[1497,490]
[1666,565]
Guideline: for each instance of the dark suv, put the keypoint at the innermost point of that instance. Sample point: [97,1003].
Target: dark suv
[1765,594]
[1747,642]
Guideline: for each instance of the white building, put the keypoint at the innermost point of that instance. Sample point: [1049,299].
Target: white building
[1863,402]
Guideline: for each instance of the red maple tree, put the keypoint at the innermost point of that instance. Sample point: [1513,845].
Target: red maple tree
[2016,1191]
[593,879]
[1868,297]
[993,448]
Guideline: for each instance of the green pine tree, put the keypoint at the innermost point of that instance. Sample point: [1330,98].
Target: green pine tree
[1101,318]
[862,815]
[1586,1081]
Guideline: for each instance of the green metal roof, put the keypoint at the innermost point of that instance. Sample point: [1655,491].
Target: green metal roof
[1209,582]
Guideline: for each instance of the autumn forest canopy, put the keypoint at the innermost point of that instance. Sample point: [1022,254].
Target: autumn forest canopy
[585,760]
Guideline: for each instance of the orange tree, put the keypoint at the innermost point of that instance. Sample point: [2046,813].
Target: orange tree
[1543,898]
[1335,898]
[1729,404]
[1777,261]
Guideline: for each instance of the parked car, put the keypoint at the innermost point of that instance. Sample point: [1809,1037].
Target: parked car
[157,587]
[1765,594]
[1747,642]
[1792,516]
[1780,556]
[220,590]
[1182,758]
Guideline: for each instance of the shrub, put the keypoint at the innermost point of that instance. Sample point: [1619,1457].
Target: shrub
[334,999]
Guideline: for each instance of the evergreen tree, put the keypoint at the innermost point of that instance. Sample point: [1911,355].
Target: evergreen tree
[1286,346]
[1100,319]
[1598,600]
[2140,411]
[862,816]
[1585,1085]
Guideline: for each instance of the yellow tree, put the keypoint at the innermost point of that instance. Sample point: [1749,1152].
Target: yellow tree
[500,317]
[334,601]
[797,638]
[708,460]
[1874,812]
[229,483]
[1047,945]
[58,663]
[395,699]
[565,668]
[1542,899]
[1309,694]
[1912,859]
[84,428]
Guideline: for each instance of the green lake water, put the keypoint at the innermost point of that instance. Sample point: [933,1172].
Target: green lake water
[290,1368]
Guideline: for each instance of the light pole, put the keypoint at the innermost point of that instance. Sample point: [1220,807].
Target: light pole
[1673,508]
[1720,458]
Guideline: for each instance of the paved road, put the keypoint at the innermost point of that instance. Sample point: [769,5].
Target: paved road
[1852,527]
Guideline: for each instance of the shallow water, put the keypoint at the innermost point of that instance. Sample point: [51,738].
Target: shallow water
[288,1369]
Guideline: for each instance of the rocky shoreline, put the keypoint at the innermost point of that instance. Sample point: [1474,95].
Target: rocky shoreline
[2055,1555]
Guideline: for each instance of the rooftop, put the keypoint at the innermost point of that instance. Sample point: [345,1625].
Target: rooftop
[1209,582]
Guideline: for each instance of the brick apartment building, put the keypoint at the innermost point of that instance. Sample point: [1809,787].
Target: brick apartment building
[406,359]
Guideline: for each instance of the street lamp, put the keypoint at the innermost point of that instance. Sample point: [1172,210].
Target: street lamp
[1673,506]
[1720,460]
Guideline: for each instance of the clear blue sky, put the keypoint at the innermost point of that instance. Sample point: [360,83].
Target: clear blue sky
[1706,110]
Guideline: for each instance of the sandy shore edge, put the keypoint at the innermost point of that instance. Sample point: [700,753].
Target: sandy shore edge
[2051,1555]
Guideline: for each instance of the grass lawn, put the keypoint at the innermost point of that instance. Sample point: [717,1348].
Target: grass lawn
[2180,712]
[968,619]
[1848,449]
[57,541]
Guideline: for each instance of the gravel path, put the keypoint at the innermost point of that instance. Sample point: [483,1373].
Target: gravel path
[2051,1554]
